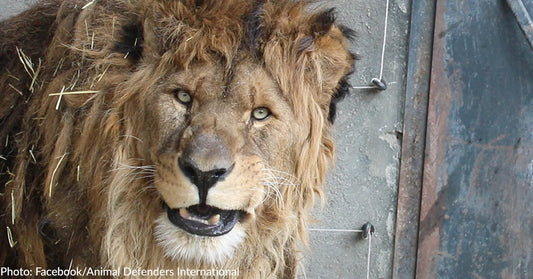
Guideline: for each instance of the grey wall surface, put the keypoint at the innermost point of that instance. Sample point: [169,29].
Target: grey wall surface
[363,185]
[11,7]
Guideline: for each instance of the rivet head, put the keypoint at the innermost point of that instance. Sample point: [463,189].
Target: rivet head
[379,84]
[368,230]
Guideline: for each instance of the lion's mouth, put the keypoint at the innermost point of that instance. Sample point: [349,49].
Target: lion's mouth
[204,220]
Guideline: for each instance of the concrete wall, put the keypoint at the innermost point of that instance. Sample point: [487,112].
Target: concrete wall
[11,7]
[363,186]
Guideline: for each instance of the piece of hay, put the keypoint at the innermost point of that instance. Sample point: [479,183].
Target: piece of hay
[12,242]
[54,173]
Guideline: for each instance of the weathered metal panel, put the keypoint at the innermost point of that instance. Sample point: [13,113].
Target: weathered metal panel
[523,18]
[477,197]
[413,140]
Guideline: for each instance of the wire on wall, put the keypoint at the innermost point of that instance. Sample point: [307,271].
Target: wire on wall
[367,232]
[379,82]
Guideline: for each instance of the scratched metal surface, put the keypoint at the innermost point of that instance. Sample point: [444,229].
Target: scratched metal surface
[477,198]
[414,136]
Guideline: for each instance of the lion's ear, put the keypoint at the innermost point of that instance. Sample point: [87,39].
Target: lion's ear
[131,41]
[306,48]
[330,64]
[153,44]
[139,40]
[336,72]
[325,46]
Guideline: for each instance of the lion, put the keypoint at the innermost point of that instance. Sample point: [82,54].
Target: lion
[162,134]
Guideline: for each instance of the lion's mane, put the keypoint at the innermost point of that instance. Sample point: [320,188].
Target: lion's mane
[75,191]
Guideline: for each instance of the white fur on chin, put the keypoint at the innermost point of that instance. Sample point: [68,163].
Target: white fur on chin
[180,245]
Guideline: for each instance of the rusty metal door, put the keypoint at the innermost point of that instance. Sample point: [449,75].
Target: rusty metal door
[476,209]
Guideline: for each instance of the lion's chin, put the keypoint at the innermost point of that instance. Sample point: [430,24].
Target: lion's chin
[180,245]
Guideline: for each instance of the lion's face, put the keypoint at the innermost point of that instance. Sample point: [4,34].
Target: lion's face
[220,143]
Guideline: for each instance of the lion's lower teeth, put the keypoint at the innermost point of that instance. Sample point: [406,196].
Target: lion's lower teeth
[184,213]
[215,219]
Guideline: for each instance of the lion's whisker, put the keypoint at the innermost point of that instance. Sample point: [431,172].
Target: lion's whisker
[276,182]
[274,179]
[280,180]
[148,176]
[123,166]
[284,173]
[136,170]
[133,137]
[280,184]
[277,196]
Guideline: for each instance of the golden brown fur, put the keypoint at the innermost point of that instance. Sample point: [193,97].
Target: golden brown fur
[86,174]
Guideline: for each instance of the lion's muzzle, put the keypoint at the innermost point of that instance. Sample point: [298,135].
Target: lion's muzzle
[203,180]
[204,161]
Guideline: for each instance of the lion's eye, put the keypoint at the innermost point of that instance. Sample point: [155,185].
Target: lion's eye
[183,96]
[261,113]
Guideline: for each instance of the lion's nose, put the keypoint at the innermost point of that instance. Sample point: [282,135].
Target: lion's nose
[203,180]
